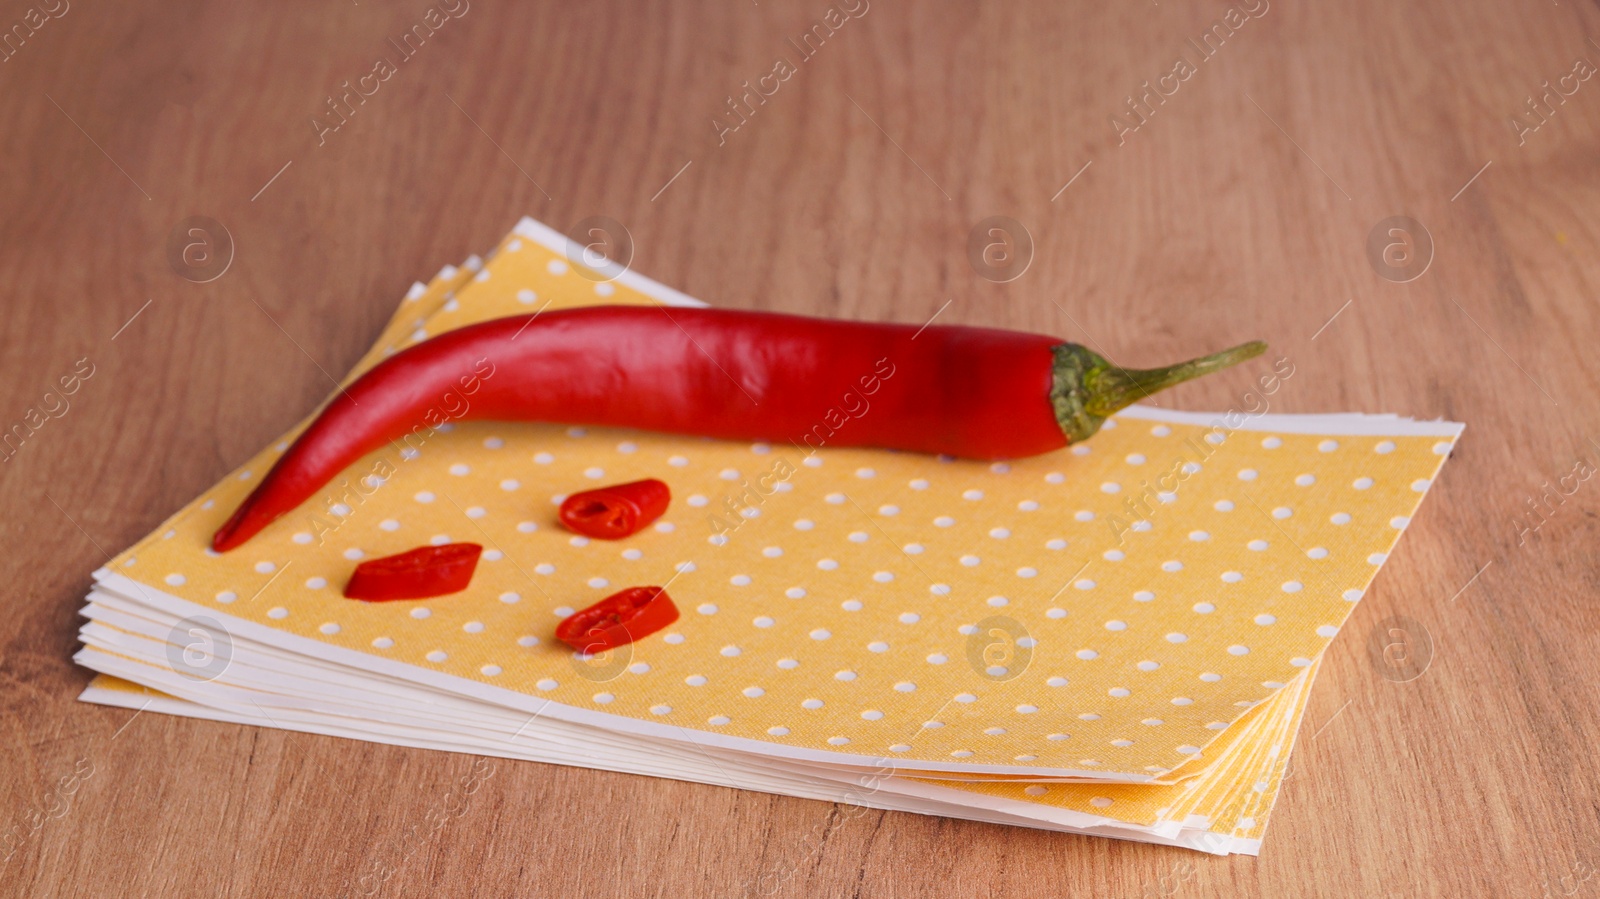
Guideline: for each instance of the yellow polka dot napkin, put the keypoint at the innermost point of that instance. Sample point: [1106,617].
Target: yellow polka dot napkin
[1118,637]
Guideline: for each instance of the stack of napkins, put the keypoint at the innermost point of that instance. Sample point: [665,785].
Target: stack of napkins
[1115,639]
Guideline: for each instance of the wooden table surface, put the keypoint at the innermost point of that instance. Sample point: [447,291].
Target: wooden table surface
[1244,204]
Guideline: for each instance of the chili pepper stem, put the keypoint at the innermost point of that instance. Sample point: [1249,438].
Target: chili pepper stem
[1086,388]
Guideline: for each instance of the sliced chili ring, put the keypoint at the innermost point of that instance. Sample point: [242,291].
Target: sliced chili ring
[415,574]
[621,510]
[622,617]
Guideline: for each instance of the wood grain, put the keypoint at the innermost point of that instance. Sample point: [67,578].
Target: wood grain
[1240,209]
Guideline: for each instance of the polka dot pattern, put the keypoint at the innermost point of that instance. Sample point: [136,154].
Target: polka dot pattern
[1149,522]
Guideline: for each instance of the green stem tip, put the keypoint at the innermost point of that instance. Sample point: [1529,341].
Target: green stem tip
[1086,388]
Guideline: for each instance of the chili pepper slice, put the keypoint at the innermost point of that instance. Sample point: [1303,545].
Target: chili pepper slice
[621,510]
[978,393]
[622,617]
[419,573]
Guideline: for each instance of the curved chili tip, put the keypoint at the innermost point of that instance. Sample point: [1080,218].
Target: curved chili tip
[618,511]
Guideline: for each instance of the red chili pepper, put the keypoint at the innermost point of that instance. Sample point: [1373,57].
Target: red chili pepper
[622,617]
[415,574]
[974,392]
[611,513]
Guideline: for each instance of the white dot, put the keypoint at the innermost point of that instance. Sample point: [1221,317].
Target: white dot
[905,686]
[316,583]
[1238,650]
[1172,565]
[1057,682]
[1257,545]
[851,605]
[1223,505]
[1282,512]
[821,634]
[788,664]
[695,680]
[811,704]
[1247,474]
[1027,505]
[421,613]
[827,564]
[1232,577]
[176,580]
[1110,487]
[383,643]
[1084,584]
[944,521]
[718,720]
[970,561]
[1177,638]
[1144,596]
[1265,620]
[1026,709]
[1056,545]
[423,497]
[227,596]
[544,568]
[1115,625]
[1317,552]
[1399,522]
[1272,442]
[1362,483]
[1027,572]
[706,608]
[1377,558]
[1327,631]
[1056,613]
[778,731]
[1204,608]
[754,692]
[795,592]
[1088,655]
[278,612]
[1199,536]
[1384,447]
[1340,518]
[878,646]
[866,473]
[1292,586]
